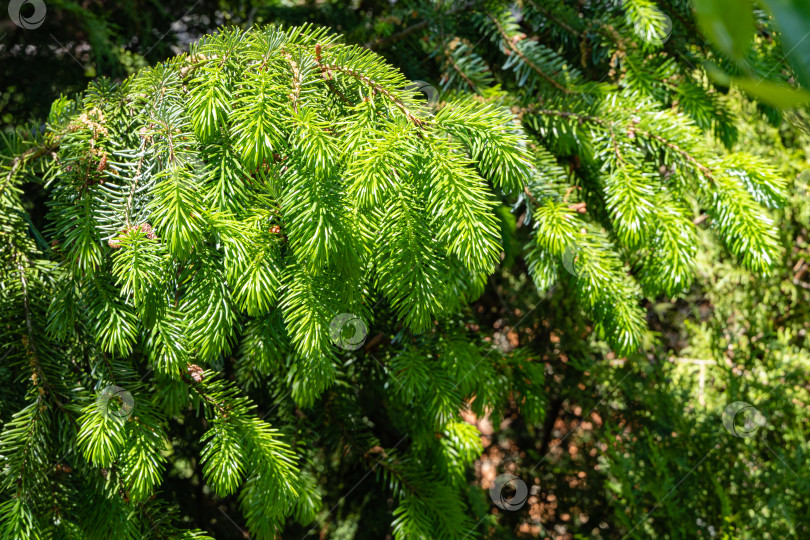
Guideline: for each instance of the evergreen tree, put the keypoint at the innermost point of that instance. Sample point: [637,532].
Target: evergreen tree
[213,218]
[241,196]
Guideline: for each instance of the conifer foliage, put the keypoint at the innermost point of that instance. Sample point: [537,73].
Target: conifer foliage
[257,173]
[228,205]
[618,108]
[254,190]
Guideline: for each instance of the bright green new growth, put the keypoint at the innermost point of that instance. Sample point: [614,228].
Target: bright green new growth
[236,199]
[272,170]
[623,207]
[246,193]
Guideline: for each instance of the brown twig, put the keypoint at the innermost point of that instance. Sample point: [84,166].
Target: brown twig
[378,88]
[30,154]
[517,51]
[457,69]
[128,207]
[296,73]
[193,384]
[31,345]
[327,76]
[559,22]
[707,172]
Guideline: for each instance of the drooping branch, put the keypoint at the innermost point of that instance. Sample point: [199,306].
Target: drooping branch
[378,88]
[516,50]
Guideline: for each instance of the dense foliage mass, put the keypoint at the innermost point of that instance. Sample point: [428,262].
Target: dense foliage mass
[552,247]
